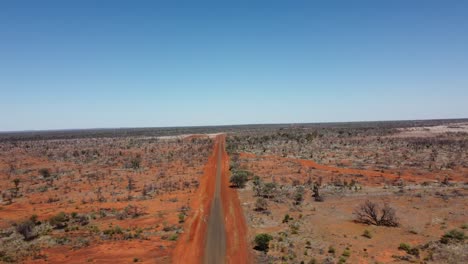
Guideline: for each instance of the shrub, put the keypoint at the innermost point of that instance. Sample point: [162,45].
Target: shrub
[408,249]
[181,218]
[117,230]
[45,172]
[404,247]
[33,218]
[453,236]
[59,220]
[268,190]
[261,205]
[331,250]
[26,229]
[299,195]
[294,228]
[262,242]
[316,191]
[239,178]
[286,218]
[342,260]
[257,183]
[346,253]
[368,213]
[367,234]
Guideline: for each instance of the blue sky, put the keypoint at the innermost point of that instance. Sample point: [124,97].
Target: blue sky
[88,64]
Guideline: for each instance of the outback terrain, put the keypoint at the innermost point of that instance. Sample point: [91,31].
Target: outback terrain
[368,192]
[357,193]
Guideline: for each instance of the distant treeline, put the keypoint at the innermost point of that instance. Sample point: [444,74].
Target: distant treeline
[172,131]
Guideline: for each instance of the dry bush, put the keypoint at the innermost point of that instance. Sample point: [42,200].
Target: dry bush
[370,213]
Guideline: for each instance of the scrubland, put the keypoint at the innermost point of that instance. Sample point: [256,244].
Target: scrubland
[97,200]
[365,194]
[372,192]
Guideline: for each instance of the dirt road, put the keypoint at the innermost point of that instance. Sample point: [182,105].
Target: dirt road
[215,231]
[215,247]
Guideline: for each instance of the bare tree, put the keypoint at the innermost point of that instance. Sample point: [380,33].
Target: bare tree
[368,213]
[130,187]
[316,195]
[16,181]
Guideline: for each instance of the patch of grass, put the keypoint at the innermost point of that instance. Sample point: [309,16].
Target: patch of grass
[367,234]
[117,230]
[404,246]
[408,249]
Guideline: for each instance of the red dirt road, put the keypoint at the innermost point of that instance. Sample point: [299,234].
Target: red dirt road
[213,203]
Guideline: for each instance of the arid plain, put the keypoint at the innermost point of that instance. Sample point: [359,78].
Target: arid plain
[375,192]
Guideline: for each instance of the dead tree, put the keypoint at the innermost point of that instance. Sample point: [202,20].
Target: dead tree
[368,213]
[16,182]
[130,187]
[316,195]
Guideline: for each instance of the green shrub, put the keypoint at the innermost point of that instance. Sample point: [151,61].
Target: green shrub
[181,218]
[116,230]
[408,249]
[331,250]
[262,242]
[59,220]
[367,234]
[405,247]
[342,260]
[454,235]
[239,178]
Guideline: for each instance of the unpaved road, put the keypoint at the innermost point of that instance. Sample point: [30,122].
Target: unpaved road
[215,230]
[215,247]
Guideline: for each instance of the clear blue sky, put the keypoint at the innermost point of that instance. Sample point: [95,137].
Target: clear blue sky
[87,64]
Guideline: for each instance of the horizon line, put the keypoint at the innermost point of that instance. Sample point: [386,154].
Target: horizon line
[229,125]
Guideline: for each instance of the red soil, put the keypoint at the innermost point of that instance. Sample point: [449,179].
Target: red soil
[236,250]
[349,171]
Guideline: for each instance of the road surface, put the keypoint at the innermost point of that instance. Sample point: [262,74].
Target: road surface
[215,247]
